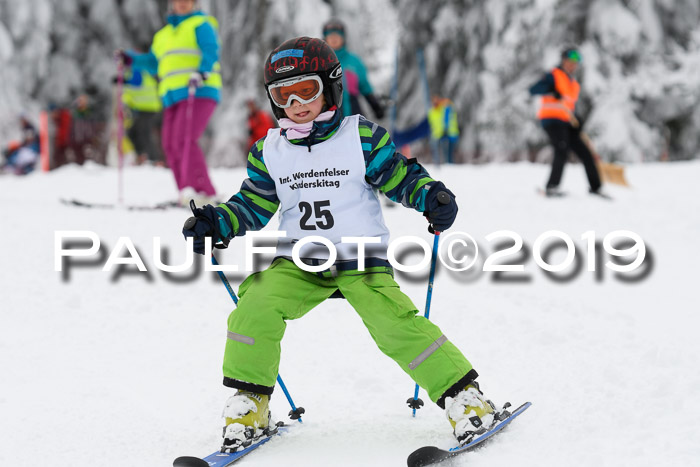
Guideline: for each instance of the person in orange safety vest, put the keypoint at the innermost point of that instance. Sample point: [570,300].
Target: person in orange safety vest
[560,91]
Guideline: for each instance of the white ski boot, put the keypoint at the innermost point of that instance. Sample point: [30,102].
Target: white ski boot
[470,413]
[188,193]
[247,420]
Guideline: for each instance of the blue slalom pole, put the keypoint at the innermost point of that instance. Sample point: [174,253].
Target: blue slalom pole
[395,92]
[424,78]
[426,95]
[417,403]
[295,413]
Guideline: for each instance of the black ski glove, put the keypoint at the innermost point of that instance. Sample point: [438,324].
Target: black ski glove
[377,107]
[440,207]
[581,122]
[204,223]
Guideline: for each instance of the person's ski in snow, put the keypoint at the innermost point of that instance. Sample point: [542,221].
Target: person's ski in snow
[320,170]
[560,91]
[355,80]
[185,57]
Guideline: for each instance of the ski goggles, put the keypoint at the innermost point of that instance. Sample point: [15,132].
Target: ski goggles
[305,89]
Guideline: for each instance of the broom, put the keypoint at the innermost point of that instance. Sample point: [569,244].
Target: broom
[609,172]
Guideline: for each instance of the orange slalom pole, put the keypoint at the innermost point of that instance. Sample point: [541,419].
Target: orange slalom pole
[44,141]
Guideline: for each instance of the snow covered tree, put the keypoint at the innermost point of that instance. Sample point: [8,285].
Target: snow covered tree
[639,85]
[641,59]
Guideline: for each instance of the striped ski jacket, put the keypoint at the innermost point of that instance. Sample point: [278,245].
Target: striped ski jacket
[399,178]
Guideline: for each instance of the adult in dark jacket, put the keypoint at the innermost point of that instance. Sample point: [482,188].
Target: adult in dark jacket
[560,92]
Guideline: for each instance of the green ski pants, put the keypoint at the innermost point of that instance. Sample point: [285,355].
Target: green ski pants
[284,291]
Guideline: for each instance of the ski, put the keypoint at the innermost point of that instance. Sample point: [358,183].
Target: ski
[429,455]
[605,196]
[222,459]
[155,207]
[557,194]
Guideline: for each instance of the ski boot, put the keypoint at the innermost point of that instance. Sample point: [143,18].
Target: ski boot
[200,198]
[553,192]
[470,414]
[247,420]
[599,192]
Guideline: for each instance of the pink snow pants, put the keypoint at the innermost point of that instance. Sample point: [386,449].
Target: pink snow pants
[188,164]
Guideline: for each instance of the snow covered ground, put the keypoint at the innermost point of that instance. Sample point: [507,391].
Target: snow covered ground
[126,372]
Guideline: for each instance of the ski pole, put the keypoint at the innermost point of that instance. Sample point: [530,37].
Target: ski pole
[416,403]
[120,129]
[189,110]
[426,94]
[296,412]
[224,280]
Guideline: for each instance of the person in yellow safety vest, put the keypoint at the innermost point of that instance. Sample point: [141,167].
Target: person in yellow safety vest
[560,92]
[443,127]
[141,97]
[185,57]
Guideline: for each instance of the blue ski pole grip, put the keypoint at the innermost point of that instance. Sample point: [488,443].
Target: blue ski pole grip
[213,228]
[443,197]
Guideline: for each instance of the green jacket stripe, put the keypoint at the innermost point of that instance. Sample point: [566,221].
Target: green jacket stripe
[256,202]
[389,171]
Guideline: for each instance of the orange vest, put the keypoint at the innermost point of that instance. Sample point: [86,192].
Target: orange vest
[560,109]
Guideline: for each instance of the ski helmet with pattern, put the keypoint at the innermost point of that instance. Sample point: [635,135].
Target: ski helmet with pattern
[304,56]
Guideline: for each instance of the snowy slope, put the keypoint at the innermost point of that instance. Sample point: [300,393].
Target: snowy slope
[130,371]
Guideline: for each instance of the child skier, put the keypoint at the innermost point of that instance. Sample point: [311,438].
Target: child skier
[322,168]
